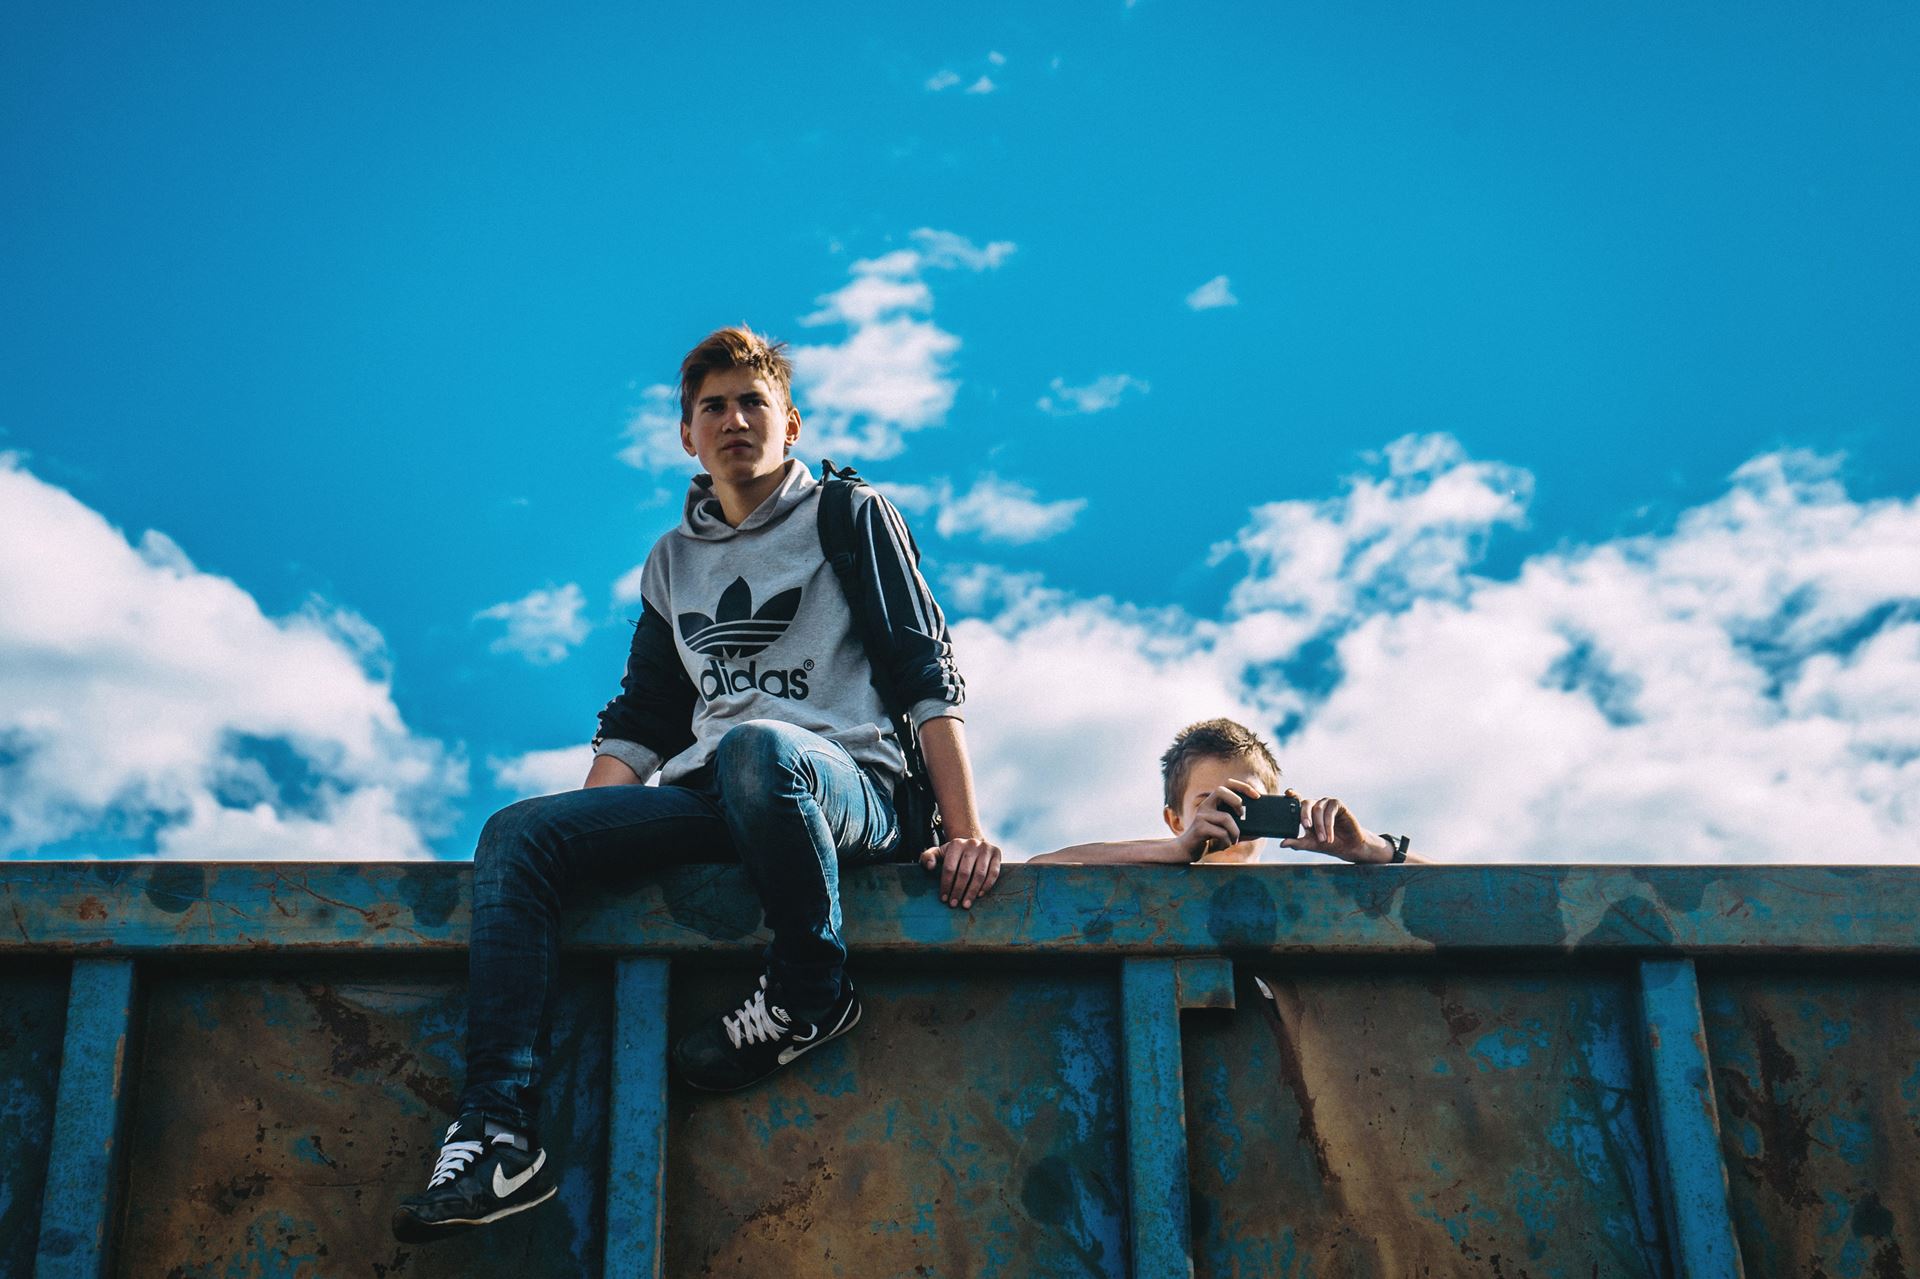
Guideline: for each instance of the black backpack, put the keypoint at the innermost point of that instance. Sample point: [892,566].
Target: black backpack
[913,802]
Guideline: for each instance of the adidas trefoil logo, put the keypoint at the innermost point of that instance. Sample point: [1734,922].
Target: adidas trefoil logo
[736,631]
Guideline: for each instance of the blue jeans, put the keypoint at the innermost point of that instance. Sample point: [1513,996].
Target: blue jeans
[790,805]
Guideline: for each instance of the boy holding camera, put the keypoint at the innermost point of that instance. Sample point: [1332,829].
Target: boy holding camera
[1220,780]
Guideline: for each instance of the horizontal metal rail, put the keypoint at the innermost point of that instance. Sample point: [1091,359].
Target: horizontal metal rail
[119,908]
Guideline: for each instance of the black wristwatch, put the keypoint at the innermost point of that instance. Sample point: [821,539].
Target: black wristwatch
[1399,845]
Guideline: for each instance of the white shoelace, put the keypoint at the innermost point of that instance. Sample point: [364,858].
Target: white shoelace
[753,1022]
[456,1155]
[454,1158]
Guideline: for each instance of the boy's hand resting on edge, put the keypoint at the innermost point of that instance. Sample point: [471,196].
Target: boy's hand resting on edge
[967,867]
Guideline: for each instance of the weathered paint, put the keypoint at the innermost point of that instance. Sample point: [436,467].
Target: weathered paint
[1465,1120]
[180,908]
[970,1126]
[1817,1074]
[1444,1081]
[1204,982]
[77,1206]
[33,1014]
[637,1141]
[1157,1209]
[1686,1123]
[282,1114]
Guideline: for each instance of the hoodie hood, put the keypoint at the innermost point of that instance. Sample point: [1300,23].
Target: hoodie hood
[701,517]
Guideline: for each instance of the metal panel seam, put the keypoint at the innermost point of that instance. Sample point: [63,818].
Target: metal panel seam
[637,1120]
[77,1213]
[1686,1123]
[1158,1205]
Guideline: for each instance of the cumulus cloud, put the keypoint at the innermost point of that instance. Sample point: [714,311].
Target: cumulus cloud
[541,626]
[1214,293]
[983,85]
[942,80]
[892,372]
[1097,396]
[993,509]
[544,772]
[1738,688]
[653,434]
[145,701]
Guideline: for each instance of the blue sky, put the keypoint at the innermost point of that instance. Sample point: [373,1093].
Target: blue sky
[358,309]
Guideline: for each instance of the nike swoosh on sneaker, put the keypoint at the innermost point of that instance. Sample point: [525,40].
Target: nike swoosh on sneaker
[800,1045]
[504,1186]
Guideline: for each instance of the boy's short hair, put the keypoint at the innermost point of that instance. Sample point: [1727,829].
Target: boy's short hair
[1215,739]
[738,347]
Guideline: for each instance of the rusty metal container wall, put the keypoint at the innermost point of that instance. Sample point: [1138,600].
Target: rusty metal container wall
[1457,1122]
[1818,1080]
[969,1127]
[281,1115]
[1605,1070]
[33,1015]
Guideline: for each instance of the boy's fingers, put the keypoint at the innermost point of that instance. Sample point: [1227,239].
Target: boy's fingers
[966,882]
[930,858]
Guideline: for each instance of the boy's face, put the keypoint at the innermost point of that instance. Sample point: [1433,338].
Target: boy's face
[1204,776]
[742,426]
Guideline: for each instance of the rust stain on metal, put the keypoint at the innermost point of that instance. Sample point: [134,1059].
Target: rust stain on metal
[1786,1132]
[1820,1116]
[356,1049]
[1292,1072]
[90,909]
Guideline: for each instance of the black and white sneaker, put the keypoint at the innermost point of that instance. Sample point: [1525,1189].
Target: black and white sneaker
[752,1041]
[484,1173]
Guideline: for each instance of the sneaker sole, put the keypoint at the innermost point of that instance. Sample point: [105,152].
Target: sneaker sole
[409,1229]
[847,1024]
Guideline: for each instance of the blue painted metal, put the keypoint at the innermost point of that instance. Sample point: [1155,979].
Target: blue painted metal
[637,1114]
[1461,1118]
[188,908]
[1816,1069]
[1440,1078]
[78,1206]
[1204,982]
[971,1125]
[33,1014]
[1157,1207]
[1693,1180]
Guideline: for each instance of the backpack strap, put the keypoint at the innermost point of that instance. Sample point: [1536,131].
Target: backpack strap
[836,524]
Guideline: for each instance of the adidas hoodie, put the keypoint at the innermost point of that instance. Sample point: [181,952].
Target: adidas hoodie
[749,623]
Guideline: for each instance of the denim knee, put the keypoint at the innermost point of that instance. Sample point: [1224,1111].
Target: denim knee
[752,755]
[511,845]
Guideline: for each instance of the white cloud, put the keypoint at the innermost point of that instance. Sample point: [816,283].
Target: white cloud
[942,80]
[653,434]
[626,590]
[541,626]
[982,85]
[892,373]
[1097,396]
[947,250]
[997,58]
[1214,293]
[994,509]
[1740,688]
[144,699]
[542,772]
